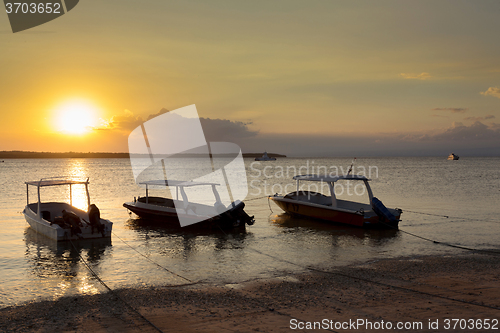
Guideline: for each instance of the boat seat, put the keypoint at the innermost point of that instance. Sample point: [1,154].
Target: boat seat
[46,215]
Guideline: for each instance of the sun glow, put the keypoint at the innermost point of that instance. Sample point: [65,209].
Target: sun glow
[76,117]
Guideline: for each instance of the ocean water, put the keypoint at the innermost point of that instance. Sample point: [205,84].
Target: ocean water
[144,254]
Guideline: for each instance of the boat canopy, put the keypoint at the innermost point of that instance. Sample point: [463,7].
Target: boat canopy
[161,182]
[55,181]
[180,184]
[328,179]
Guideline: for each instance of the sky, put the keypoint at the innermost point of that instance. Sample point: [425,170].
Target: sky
[302,78]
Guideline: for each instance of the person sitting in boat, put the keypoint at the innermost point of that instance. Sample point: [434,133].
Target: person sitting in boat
[73,221]
[95,219]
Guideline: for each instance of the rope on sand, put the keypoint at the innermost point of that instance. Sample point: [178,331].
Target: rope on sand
[112,291]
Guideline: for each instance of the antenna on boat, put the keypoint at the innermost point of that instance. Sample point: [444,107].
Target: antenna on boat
[350,168]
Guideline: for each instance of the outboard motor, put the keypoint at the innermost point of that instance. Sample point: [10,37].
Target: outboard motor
[95,219]
[383,213]
[239,215]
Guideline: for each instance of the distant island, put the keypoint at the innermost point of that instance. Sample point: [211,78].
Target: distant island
[33,154]
[254,155]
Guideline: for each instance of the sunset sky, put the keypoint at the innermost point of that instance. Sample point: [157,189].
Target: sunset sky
[304,78]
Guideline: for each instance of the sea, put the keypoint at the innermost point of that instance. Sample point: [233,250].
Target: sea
[451,202]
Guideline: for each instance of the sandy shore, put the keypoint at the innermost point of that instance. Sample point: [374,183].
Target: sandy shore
[405,291]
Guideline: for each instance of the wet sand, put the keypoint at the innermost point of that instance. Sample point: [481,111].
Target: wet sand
[408,290]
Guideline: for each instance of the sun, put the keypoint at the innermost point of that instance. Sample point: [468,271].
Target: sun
[76,117]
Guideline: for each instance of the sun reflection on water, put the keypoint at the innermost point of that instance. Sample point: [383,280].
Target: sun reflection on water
[78,169]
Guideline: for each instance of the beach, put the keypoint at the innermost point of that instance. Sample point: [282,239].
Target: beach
[420,290]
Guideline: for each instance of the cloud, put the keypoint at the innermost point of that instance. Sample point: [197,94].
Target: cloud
[490,116]
[477,139]
[453,110]
[421,76]
[162,111]
[220,129]
[460,132]
[126,121]
[214,129]
[495,126]
[492,91]
[226,130]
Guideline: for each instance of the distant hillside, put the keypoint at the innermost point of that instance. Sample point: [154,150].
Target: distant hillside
[34,154]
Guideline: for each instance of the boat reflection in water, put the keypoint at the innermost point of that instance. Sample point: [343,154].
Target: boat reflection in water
[186,239]
[339,233]
[50,259]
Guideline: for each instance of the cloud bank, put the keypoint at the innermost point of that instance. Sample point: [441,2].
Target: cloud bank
[477,139]
[453,110]
[490,116]
[214,129]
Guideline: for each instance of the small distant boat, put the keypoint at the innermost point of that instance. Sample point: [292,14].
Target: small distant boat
[329,208]
[453,157]
[265,157]
[62,221]
[169,210]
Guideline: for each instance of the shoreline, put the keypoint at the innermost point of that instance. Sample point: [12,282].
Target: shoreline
[407,289]
[32,154]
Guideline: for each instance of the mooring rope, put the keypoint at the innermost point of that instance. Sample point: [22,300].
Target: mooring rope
[452,217]
[112,291]
[155,263]
[442,243]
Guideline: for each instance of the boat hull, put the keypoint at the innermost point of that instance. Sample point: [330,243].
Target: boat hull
[330,214]
[231,219]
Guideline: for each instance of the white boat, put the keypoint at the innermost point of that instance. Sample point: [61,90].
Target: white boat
[319,206]
[170,210]
[453,157]
[61,220]
[265,157]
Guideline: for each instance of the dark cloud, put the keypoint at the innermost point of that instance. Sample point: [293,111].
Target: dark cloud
[162,111]
[474,139]
[226,130]
[126,121]
[490,116]
[220,129]
[459,132]
[214,129]
[453,110]
[477,139]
